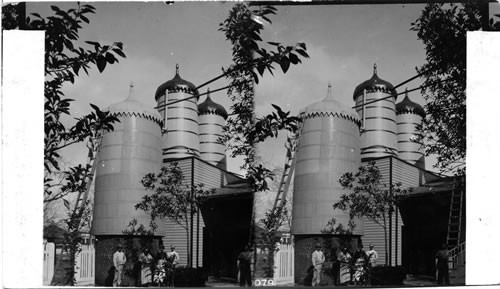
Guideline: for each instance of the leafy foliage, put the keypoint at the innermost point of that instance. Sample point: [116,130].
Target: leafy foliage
[171,198]
[442,29]
[495,23]
[243,131]
[64,60]
[242,28]
[269,239]
[369,197]
[141,230]
[13,16]
[339,229]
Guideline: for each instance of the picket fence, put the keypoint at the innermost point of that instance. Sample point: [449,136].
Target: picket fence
[284,264]
[49,254]
[85,266]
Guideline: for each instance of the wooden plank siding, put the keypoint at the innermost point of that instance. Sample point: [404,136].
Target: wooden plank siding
[374,234]
[395,170]
[211,177]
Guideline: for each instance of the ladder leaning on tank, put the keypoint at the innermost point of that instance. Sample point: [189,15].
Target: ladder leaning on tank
[291,150]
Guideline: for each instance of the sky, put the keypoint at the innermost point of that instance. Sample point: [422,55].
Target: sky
[343,42]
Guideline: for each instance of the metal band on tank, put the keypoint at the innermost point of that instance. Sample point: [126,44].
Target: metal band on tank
[380,117]
[212,124]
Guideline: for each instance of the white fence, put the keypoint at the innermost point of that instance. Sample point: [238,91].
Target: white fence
[85,266]
[284,265]
[49,254]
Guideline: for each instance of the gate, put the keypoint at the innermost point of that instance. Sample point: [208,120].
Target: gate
[85,266]
[49,253]
[284,263]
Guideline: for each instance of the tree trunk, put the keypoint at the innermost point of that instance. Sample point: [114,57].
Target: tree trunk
[188,244]
[386,244]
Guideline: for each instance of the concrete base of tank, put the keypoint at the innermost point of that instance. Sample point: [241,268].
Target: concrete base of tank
[106,246]
[331,245]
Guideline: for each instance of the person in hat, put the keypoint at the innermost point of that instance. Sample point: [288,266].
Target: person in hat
[173,256]
[119,260]
[372,256]
[318,258]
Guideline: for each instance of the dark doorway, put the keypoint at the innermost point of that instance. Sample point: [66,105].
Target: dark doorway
[228,221]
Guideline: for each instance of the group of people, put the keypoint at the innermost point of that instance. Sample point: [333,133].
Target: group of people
[352,268]
[157,269]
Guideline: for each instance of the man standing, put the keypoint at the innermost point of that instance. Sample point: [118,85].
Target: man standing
[372,256]
[119,260]
[244,267]
[442,265]
[173,256]
[318,258]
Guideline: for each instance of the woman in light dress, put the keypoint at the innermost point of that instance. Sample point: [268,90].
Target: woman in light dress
[344,259]
[146,263]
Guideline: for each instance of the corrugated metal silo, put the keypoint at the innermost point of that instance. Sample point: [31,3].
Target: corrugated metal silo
[127,154]
[181,138]
[212,118]
[379,131]
[329,147]
[409,116]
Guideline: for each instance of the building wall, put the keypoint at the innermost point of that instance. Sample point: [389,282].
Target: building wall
[395,170]
[374,234]
[174,234]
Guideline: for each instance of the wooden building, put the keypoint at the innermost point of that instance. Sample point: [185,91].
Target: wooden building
[222,228]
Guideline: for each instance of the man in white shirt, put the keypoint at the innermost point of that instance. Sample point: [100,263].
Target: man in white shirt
[173,256]
[372,256]
[318,258]
[119,260]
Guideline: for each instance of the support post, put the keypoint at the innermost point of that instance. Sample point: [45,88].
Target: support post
[192,213]
[390,212]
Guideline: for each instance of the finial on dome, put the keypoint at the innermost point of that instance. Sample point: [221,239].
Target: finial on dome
[329,94]
[177,68]
[406,91]
[375,68]
[131,93]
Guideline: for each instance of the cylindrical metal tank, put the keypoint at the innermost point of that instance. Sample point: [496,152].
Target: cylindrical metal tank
[181,125]
[408,116]
[379,131]
[329,147]
[212,118]
[127,154]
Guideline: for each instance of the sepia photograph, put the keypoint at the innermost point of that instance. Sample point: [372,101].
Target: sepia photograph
[242,144]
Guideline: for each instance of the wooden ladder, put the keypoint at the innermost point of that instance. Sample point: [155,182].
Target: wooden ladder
[453,238]
[292,147]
